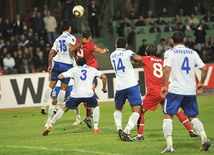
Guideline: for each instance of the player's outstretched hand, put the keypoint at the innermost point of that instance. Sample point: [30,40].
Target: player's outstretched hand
[163,91]
[200,88]
[104,90]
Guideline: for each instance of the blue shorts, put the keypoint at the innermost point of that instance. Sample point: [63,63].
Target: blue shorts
[187,102]
[56,90]
[58,68]
[132,94]
[73,103]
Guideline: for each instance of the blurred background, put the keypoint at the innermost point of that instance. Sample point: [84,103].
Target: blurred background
[26,34]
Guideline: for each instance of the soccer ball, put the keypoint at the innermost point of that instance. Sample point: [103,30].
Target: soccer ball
[78,11]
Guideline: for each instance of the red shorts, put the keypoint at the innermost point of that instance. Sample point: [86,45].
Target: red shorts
[151,100]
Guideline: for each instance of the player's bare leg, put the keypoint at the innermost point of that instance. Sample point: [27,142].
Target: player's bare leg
[185,121]
[87,119]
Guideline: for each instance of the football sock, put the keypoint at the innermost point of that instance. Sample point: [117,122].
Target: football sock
[140,127]
[50,112]
[118,119]
[167,130]
[199,128]
[184,120]
[96,116]
[60,97]
[46,97]
[77,112]
[58,116]
[132,122]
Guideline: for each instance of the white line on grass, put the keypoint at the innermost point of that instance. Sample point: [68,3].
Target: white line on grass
[55,149]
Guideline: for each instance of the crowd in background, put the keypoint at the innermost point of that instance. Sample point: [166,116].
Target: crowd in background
[25,44]
[199,43]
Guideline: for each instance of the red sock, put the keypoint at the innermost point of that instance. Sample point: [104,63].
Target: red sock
[184,120]
[140,126]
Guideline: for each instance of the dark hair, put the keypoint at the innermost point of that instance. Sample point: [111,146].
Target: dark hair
[86,34]
[121,42]
[178,37]
[151,50]
[81,61]
[65,24]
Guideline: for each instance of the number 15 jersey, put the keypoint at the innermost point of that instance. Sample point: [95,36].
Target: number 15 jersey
[61,46]
[125,75]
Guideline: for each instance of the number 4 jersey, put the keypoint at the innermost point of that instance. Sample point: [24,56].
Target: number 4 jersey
[182,62]
[125,75]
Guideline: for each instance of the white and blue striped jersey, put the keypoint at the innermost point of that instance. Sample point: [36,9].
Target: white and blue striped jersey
[125,75]
[182,62]
[62,48]
[83,77]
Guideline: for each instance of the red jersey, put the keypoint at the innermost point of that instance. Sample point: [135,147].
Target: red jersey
[153,71]
[86,51]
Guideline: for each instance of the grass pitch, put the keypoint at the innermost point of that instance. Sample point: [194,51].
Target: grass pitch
[21,133]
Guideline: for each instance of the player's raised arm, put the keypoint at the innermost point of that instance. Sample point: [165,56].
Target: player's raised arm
[101,50]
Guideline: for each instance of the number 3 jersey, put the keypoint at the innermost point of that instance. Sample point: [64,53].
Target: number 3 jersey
[125,75]
[153,71]
[83,77]
[182,62]
[61,46]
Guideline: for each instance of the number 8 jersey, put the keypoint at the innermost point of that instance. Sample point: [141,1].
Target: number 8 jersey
[61,46]
[125,75]
[182,62]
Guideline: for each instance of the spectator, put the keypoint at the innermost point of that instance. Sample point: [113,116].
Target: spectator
[132,14]
[93,18]
[40,63]
[7,29]
[38,24]
[196,10]
[140,21]
[142,48]
[208,17]
[200,34]
[169,27]
[17,26]
[181,28]
[162,46]
[160,21]
[2,43]
[189,43]
[181,11]
[188,26]
[203,24]
[193,20]
[18,58]
[122,25]
[25,67]
[208,51]
[1,25]
[154,28]
[23,40]
[50,27]
[9,64]
[164,12]
[148,17]
[176,20]
[131,38]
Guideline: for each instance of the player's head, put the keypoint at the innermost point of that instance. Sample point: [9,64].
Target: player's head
[121,43]
[151,50]
[177,37]
[81,61]
[65,25]
[87,34]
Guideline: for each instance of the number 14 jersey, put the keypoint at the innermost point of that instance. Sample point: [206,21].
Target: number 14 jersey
[125,75]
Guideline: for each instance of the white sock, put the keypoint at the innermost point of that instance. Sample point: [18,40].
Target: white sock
[199,128]
[46,97]
[96,116]
[50,112]
[61,97]
[132,122]
[118,119]
[167,130]
[77,112]
[58,116]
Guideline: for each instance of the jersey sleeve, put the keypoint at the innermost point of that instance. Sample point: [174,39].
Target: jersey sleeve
[98,73]
[167,59]
[131,54]
[199,62]
[68,74]
[72,40]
